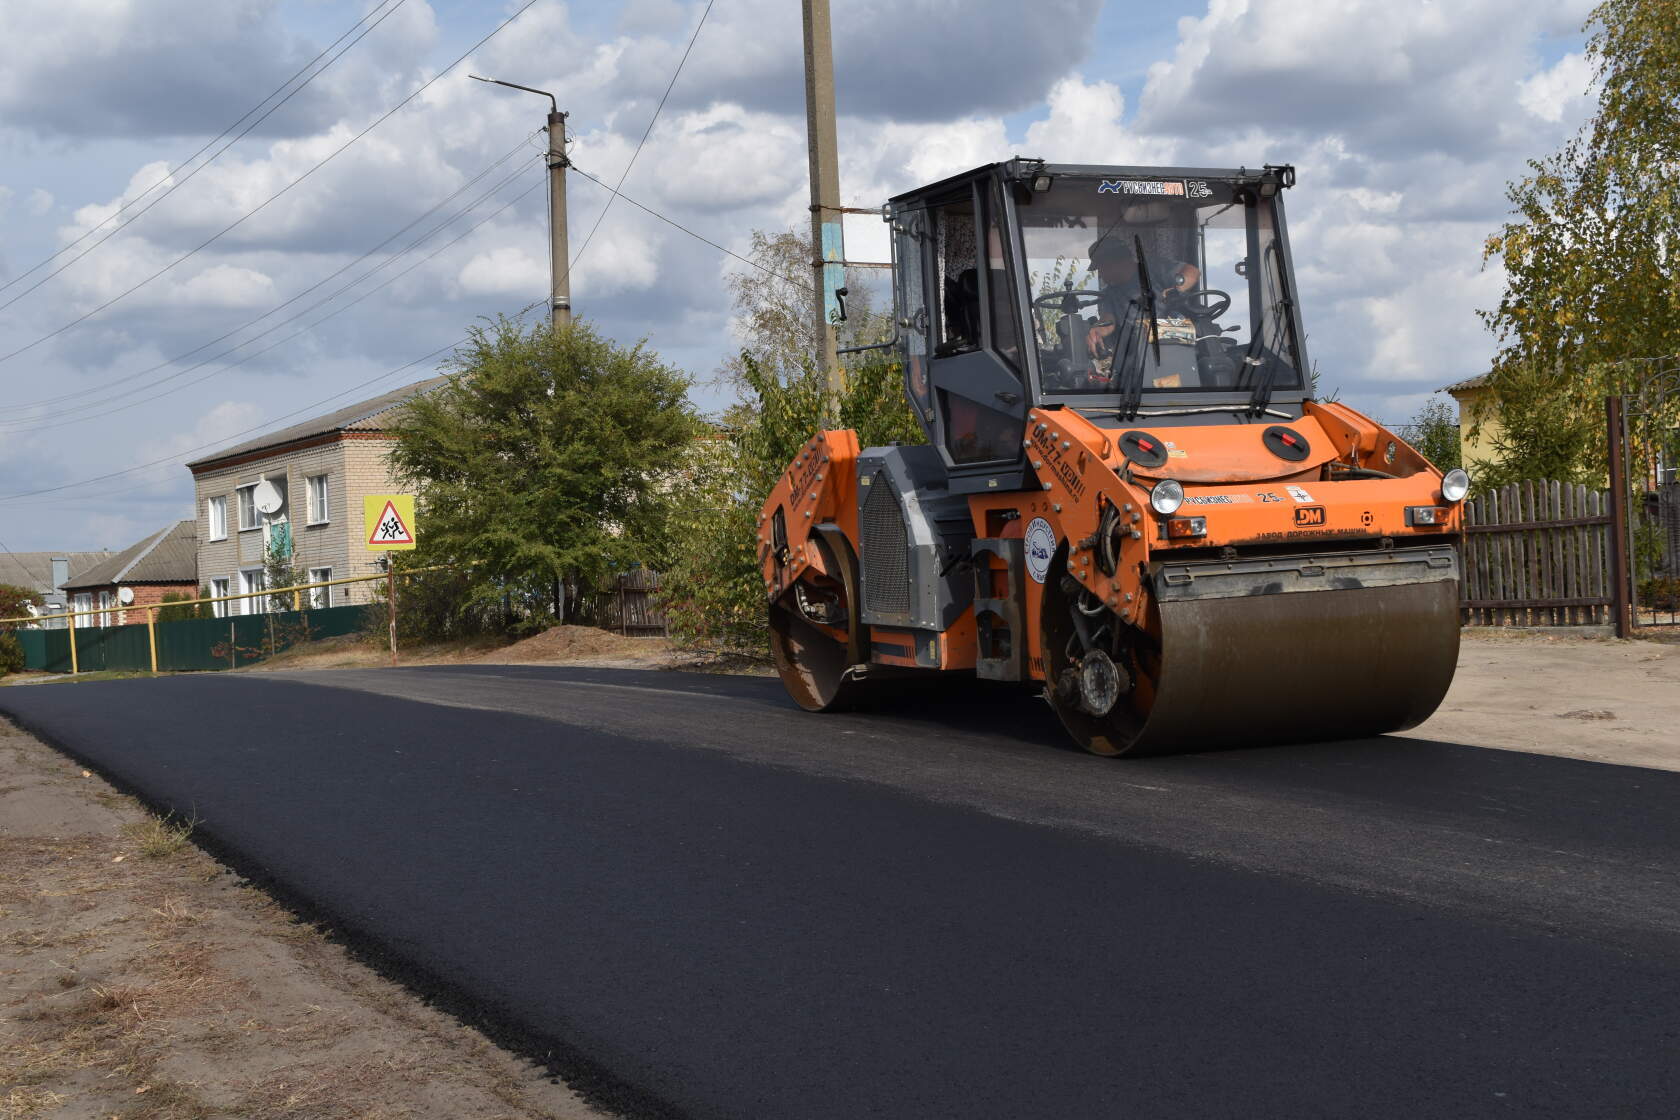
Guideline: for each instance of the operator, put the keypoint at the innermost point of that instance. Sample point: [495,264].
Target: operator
[1114,258]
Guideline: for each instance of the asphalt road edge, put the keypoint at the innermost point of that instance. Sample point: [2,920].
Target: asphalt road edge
[591,1080]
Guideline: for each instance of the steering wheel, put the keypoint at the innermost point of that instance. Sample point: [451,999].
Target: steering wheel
[1208,303]
[1082,298]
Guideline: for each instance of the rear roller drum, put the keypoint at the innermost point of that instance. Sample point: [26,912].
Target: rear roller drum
[817,638]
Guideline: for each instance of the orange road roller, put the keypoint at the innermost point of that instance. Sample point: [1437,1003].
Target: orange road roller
[1129,495]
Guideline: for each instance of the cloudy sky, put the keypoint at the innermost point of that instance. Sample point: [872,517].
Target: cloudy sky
[1405,120]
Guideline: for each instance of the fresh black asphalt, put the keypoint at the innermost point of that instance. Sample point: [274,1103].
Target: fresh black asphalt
[700,902]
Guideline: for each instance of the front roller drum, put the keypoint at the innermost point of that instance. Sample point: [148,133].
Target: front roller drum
[1291,651]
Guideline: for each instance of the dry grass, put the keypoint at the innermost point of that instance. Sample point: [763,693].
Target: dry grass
[160,837]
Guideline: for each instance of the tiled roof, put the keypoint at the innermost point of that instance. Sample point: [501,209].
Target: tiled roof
[34,569]
[168,556]
[372,415]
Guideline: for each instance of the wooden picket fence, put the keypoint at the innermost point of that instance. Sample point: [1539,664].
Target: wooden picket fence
[1537,554]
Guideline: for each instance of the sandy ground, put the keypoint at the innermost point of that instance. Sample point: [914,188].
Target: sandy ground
[572,645]
[1564,693]
[140,979]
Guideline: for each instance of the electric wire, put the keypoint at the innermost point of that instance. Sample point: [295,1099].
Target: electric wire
[168,176]
[266,425]
[648,131]
[82,393]
[219,370]
[806,284]
[521,10]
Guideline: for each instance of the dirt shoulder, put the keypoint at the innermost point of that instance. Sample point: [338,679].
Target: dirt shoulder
[141,979]
[559,645]
[1564,693]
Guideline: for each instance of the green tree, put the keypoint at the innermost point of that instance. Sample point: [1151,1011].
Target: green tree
[1590,254]
[14,603]
[1433,430]
[773,309]
[280,570]
[544,464]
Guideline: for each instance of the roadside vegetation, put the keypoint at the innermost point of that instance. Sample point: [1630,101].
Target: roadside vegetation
[1590,257]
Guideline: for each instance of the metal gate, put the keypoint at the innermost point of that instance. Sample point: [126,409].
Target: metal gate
[1644,429]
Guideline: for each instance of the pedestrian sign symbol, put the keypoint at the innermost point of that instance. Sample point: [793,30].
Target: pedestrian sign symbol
[389,521]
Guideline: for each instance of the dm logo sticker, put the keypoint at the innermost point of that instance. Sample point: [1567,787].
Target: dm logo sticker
[1041,545]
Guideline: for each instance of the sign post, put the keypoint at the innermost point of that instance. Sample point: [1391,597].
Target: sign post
[388,520]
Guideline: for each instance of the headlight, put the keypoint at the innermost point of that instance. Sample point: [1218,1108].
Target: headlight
[1454,485]
[1167,496]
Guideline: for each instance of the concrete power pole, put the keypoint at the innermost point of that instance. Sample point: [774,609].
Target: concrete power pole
[559,269]
[827,236]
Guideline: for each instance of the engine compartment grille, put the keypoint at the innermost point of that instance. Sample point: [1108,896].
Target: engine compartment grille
[886,550]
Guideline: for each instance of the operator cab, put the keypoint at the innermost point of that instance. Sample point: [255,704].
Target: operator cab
[1121,292]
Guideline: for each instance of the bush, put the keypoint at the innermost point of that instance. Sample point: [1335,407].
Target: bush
[11,653]
[713,594]
[167,613]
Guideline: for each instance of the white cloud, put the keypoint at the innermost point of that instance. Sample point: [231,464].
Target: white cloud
[1551,94]
[509,270]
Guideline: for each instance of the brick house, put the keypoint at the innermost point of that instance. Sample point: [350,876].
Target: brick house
[323,468]
[149,569]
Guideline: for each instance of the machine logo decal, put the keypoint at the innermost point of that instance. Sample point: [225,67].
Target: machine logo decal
[1309,515]
[1133,186]
[1299,495]
[1216,499]
[1040,546]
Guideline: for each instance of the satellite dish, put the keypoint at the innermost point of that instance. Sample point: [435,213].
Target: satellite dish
[267,497]
[125,595]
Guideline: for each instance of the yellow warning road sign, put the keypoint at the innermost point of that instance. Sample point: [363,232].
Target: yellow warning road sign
[389,521]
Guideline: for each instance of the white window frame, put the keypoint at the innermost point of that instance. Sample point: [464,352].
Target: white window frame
[82,601]
[247,495]
[320,598]
[216,510]
[253,579]
[218,589]
[319,512]
[106,602]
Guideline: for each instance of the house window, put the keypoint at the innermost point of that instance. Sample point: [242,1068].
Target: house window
[252,579]
[248,508]
[219,589]
[106,600]
[218,518]
[318,499]
[83,602]
[320,597]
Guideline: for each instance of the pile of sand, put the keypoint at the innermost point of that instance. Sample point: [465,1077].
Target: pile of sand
[582,643]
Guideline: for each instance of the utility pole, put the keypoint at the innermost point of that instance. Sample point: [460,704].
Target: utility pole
[559,269]
[827,235]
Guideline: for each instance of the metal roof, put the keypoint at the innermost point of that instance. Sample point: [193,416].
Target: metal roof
[372,415]
[34,569]
[167,556]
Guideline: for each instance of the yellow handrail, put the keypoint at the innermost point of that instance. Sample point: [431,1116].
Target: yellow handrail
[115,607]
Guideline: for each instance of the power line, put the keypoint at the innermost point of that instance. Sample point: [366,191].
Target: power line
[169,175]
[82,393]
[169,461]
[523,8]
[648,131]
[698,237]
[258,427]
[319,303]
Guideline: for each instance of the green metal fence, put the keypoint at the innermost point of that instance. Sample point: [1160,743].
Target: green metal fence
[194,643]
